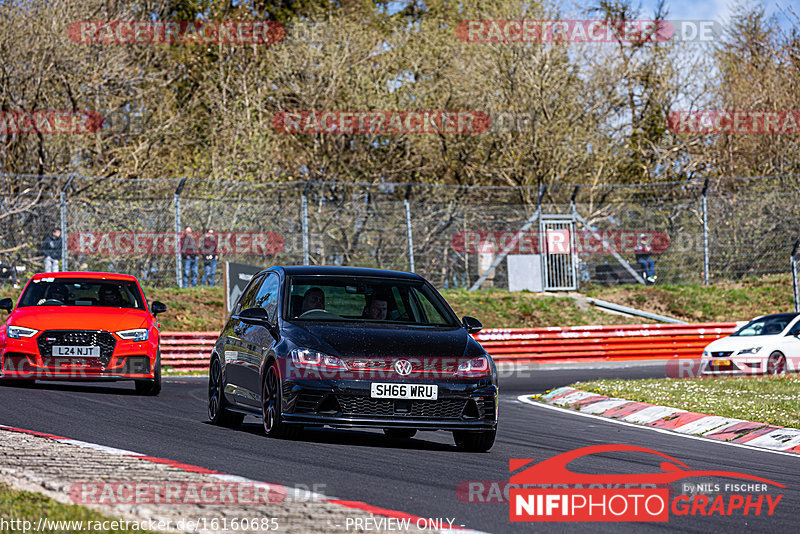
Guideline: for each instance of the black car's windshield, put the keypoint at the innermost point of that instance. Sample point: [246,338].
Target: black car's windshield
[367,299]
[765,326]
[82,292]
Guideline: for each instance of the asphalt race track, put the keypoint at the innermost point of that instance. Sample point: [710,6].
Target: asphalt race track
[419,476]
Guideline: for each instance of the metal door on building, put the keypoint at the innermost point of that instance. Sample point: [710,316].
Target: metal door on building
[559,255]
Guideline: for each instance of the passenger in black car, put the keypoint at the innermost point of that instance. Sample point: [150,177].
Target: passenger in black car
[377,308]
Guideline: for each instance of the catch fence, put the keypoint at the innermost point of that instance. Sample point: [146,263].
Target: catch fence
[722,229]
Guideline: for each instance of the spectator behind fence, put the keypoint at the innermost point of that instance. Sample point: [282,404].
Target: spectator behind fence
[8,273]
[210,257]
[51,248]
[643,250]
[189,254]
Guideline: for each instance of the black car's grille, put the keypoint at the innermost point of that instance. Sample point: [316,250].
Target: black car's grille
[49,338]
[438,409]
[431,365]
[721,354]
[356,405]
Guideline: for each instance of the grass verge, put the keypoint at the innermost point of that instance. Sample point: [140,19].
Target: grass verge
[761,399]
[21,506]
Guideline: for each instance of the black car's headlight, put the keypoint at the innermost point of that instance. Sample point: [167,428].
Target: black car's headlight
[475,368]
[313,359]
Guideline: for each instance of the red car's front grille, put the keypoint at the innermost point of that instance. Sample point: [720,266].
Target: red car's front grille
[83,338]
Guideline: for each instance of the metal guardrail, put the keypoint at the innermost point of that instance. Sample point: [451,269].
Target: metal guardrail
[190,351]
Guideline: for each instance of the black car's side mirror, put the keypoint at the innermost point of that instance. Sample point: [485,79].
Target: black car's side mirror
[158,307]
[259,317]
[471,324]
[6,304]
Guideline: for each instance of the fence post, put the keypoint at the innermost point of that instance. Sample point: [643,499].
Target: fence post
[705,234]
[408,230]
[64,223]
[793,263]
[177,203]
[304,220]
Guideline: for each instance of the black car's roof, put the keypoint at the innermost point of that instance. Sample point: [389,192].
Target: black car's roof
[307,270]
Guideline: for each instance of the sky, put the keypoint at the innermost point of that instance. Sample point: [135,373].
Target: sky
[721,10]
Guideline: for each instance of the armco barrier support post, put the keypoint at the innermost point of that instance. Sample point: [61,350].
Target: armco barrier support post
[705,234]
[408,230]
[63,199]
[177,203]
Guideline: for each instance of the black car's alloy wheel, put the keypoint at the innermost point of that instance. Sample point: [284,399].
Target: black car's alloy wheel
[217,413]
[474,441]
[274,426]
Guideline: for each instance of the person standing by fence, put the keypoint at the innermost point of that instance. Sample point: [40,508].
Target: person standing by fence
[210,257]
[643,250]
[189,254]
[51,248]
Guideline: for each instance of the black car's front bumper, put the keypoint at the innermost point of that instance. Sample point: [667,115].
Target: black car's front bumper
[347,403]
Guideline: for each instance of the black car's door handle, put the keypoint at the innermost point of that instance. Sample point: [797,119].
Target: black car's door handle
[238,331]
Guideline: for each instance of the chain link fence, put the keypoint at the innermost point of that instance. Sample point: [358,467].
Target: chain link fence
[448,234]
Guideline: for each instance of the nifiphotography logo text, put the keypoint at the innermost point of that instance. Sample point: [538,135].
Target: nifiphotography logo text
[549,491]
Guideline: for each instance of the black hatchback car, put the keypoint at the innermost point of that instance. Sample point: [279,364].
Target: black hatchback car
[352,347]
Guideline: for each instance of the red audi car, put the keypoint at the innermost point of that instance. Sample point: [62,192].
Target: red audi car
[82,326]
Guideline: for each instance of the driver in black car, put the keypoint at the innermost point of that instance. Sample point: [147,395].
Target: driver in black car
[314,299]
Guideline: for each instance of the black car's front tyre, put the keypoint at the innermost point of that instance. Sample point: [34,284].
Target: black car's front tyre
[217,413]
[274,426]
[474,441]
[152,387]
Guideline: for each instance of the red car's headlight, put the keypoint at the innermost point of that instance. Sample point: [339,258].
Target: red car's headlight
[18,332]
[136,334]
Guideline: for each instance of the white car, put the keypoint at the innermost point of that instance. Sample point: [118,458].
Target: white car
[769,344]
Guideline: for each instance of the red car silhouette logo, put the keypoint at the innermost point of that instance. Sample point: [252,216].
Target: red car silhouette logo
[554,470]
